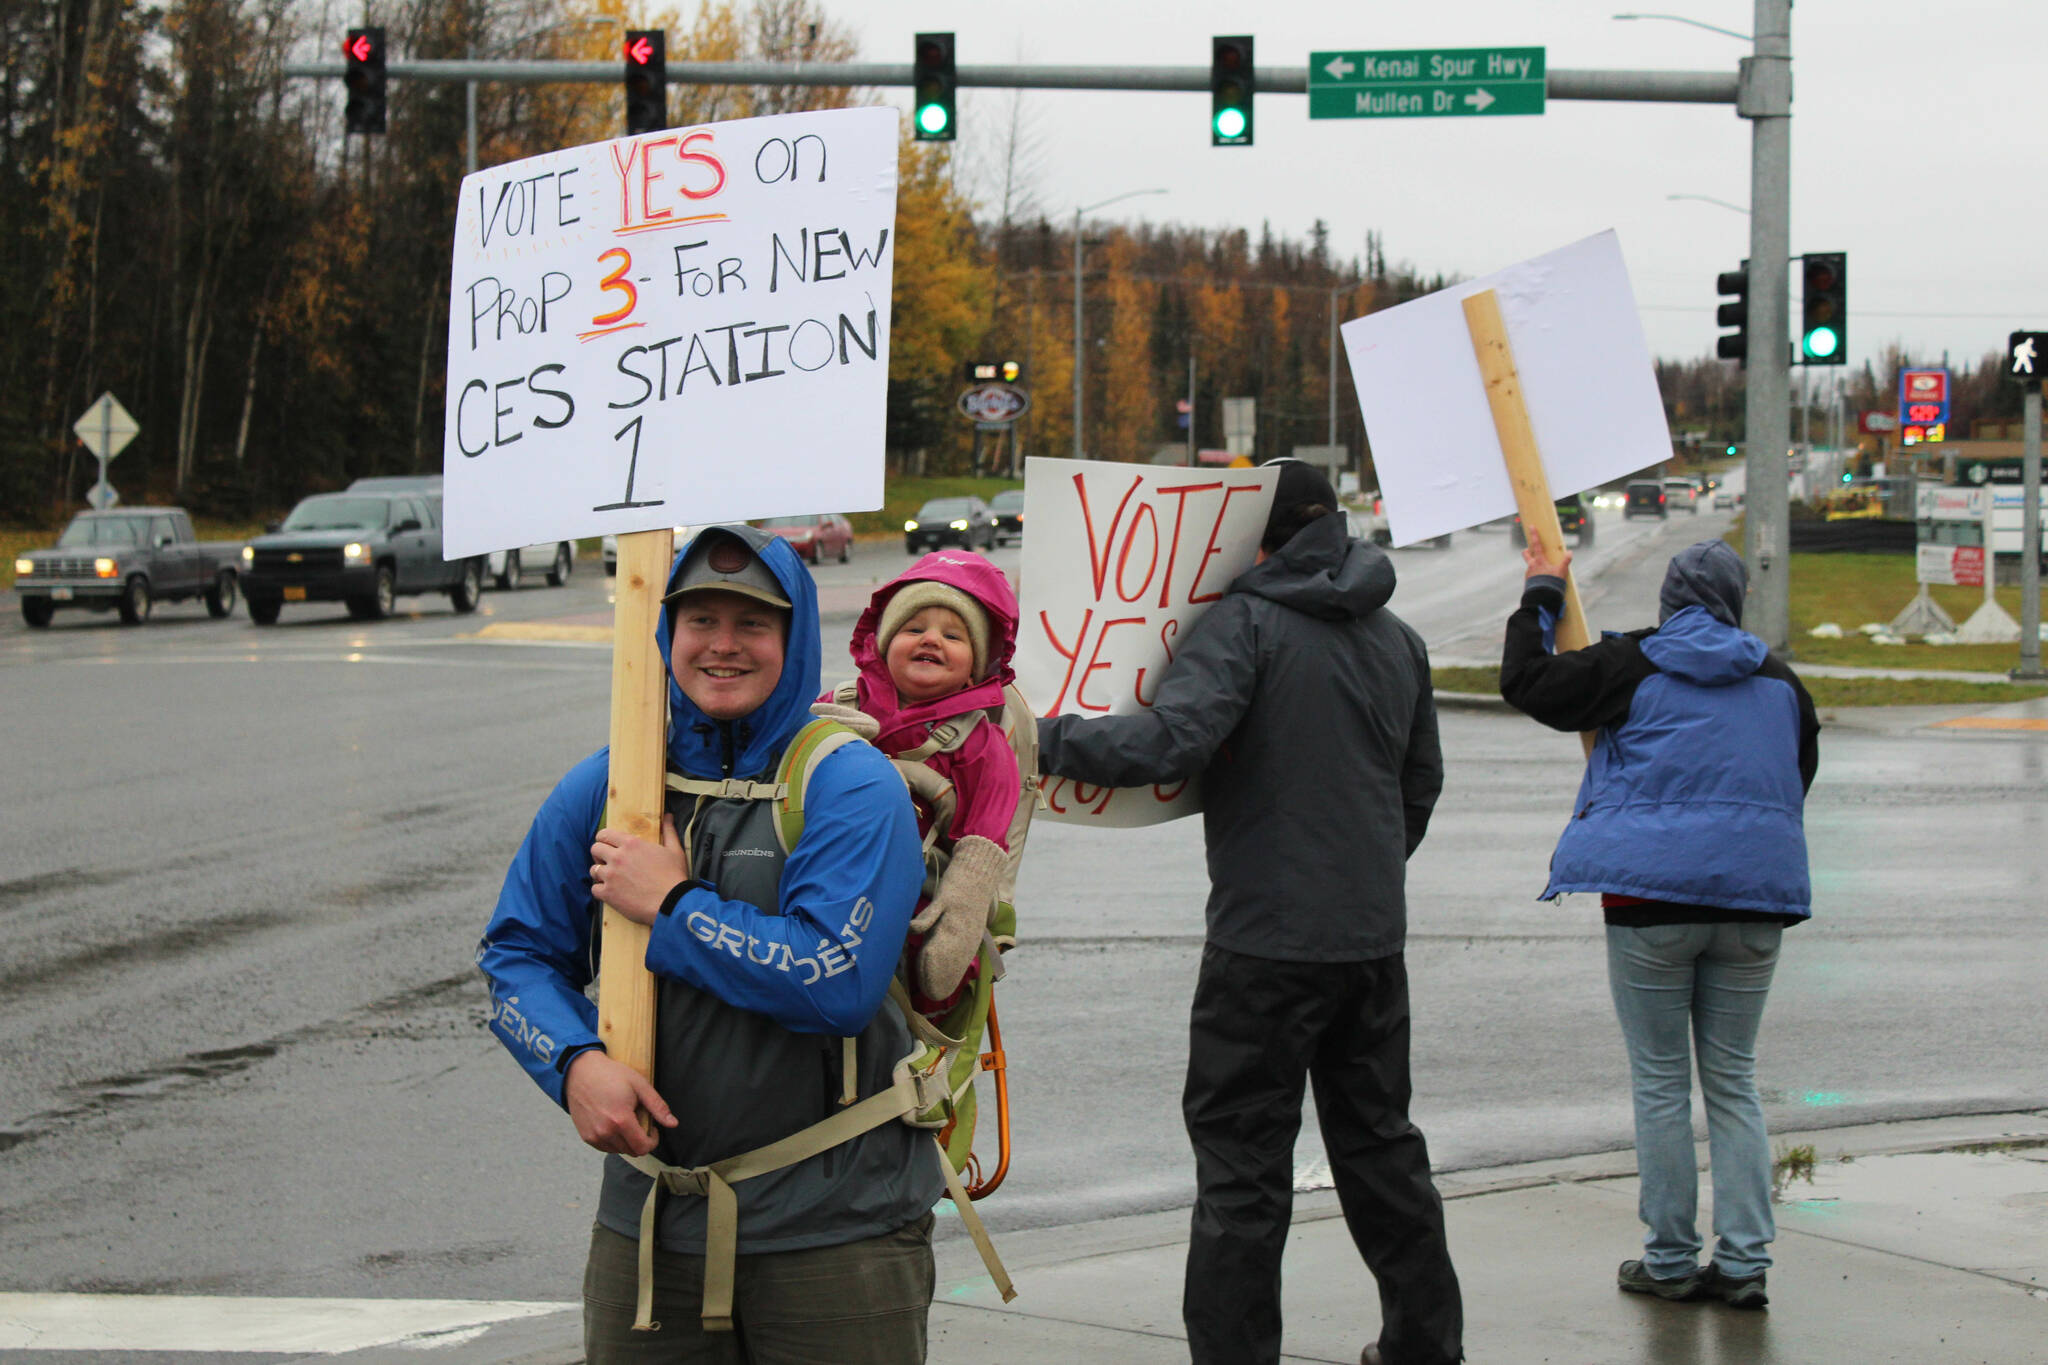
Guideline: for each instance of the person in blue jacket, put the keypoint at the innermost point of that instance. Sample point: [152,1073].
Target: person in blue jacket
[1689,824]
[764,963]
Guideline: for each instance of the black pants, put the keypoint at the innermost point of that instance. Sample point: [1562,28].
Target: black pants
[1258,1027]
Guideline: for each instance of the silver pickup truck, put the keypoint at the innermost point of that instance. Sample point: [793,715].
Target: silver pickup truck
[127,559]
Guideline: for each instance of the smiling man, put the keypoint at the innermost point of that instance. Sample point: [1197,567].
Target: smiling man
[765,962]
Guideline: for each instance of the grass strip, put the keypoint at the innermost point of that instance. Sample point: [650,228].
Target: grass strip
[1826,692]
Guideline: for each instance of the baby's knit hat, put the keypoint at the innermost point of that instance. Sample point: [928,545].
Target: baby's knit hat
[915,596]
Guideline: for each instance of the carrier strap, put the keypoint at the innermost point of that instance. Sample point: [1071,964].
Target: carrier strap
[728,789]
[911,1092]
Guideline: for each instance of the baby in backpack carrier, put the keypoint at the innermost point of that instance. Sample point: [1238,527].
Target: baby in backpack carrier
[933,649]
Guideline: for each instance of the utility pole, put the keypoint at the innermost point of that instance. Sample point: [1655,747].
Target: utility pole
[1764,96]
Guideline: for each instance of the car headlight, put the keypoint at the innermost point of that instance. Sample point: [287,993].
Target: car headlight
[24,566]
[959,525]
[105,568]
[910,526]
[355,552]
[248,554]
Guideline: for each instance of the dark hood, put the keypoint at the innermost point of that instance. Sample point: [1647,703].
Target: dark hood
[695,742]
[1324,573]
[1709,575]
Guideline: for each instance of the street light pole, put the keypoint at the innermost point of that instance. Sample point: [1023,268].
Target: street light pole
[1089,208]
[1764,96]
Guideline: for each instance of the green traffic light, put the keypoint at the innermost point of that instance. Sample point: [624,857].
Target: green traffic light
[1230,123]
[932,118]
[1731,450]
[1821,342]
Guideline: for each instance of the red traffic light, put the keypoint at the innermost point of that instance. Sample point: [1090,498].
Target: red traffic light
[639,51]
[360,47]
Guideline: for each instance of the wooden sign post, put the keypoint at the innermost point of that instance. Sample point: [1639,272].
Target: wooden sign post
[633,797]
[1525,463]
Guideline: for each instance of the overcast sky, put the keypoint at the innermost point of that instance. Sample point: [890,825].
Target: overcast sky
[1919,146]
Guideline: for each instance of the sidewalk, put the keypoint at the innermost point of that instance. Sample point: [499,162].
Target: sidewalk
[1923,1242]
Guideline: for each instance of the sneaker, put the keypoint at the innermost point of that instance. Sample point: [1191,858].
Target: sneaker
[1634,1279]
[1745,1291]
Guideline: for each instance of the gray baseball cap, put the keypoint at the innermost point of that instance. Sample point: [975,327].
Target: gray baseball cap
[721,560]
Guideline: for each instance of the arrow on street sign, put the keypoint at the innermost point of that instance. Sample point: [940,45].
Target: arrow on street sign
[106,428]
[1340,66]
[1479,99]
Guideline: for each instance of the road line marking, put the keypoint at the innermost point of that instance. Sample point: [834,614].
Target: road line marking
[182,1322]
[1993,723]
[532,631]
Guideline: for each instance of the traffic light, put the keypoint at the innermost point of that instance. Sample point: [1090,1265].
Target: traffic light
[933,84]
[1733,345]
[362,52]
[1824,308]
[1231,83]
[646,80]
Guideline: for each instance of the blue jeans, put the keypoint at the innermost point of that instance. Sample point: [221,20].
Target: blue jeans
[1680,989]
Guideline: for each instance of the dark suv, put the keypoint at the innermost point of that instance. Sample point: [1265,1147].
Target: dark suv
[1645,499]
[363,547]
[965,522]
[1574,517]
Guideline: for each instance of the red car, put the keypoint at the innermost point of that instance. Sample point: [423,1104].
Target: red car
[814,537]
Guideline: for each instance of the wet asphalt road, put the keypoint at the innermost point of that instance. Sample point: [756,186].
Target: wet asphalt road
[242,873]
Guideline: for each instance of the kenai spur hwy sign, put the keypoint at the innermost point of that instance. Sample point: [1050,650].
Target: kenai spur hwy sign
[1426,83]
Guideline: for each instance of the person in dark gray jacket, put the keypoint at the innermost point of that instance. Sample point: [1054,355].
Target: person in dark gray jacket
[1304,706]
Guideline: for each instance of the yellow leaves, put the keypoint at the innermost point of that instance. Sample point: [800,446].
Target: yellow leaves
[942,279]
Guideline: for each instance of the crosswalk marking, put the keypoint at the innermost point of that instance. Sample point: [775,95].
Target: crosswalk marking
[178,1322]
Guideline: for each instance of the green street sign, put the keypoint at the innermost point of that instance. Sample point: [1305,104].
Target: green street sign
[1450,82]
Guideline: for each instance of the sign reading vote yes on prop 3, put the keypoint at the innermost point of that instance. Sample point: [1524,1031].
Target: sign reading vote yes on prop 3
[1121,562]
[682,327]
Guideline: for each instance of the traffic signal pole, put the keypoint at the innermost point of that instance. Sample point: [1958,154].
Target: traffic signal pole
[1764,96]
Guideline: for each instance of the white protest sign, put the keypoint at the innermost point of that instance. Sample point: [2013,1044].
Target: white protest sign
[1586,377]
[682,327]
[1122,561]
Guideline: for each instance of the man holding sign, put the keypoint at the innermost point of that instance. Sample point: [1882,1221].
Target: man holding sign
[768,964]
[1305,708]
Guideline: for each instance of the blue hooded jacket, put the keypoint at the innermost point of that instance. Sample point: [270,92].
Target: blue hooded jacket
[1695,791]
[859,845]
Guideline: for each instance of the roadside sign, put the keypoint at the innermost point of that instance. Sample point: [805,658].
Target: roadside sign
[1955,566]
[102,496]
[1876,423]
[1456,82]
[994,403]
[2026,357]
[106,428]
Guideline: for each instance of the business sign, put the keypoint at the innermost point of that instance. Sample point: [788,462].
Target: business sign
[1955,566]
[1950,504]
[1121,563]
[1923,399]
[681,327]
[1426,83]
[993,404]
